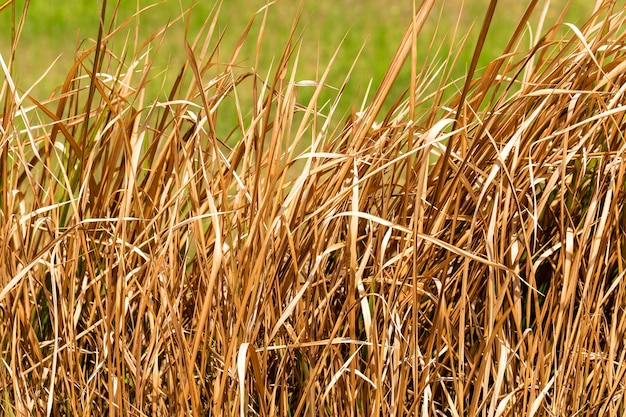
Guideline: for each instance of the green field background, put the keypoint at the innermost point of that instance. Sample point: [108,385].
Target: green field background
[54,31]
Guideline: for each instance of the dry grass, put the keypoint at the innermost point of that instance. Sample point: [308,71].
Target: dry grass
[458,256]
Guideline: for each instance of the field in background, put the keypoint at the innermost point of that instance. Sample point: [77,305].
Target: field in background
[56,31]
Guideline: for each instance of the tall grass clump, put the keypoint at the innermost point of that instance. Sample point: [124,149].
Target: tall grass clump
[457,250]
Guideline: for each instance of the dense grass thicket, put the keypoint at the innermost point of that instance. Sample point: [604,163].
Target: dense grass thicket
[243,247]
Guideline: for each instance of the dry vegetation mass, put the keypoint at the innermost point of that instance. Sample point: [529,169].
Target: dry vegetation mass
[460,254]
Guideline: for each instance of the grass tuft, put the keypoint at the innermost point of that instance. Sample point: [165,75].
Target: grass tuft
[246,247]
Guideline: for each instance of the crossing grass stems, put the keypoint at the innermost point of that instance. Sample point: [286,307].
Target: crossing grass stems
[459,253]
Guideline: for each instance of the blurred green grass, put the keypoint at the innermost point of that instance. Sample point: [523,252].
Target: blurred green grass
[56,30]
